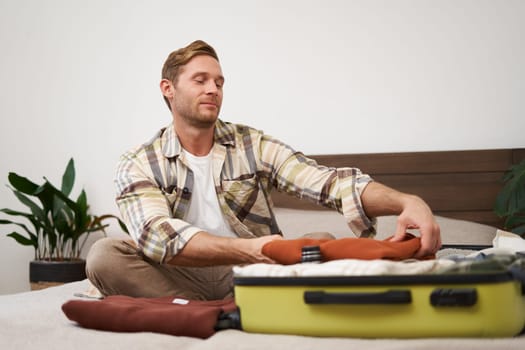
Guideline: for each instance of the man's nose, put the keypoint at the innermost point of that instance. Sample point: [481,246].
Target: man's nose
[211,87]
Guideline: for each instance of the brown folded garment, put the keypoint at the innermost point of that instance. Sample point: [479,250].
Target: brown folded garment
[288,252]
[126,314]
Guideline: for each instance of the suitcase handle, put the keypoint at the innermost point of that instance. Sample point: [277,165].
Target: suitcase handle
[387,297]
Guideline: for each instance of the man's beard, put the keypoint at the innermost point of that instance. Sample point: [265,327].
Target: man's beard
[194,117]
[198,120]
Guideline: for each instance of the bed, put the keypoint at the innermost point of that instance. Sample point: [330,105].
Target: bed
[33,320]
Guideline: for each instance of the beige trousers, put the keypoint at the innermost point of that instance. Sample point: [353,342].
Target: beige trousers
[116,268]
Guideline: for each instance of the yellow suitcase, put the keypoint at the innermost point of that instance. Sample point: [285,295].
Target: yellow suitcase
[442,305]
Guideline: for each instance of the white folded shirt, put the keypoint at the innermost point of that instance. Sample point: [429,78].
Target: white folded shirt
[344,267]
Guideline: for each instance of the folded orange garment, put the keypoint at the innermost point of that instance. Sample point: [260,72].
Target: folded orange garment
[288,252]
[126,314]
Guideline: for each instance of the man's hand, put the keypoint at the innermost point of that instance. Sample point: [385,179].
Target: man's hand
[252,248]
[413,213]
[417,215]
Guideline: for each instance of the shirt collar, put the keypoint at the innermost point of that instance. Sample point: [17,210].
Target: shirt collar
[171,147]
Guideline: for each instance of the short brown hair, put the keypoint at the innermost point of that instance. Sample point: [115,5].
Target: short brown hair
[180,57]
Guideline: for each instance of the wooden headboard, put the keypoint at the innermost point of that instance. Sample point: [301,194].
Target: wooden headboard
[456,184]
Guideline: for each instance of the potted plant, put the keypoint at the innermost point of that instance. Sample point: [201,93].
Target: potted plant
[510,203]
[56,226]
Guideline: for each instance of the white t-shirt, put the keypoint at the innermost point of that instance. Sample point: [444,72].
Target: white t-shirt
[204,211]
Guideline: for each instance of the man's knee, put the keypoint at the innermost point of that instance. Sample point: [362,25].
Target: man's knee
[107,262]
[103,257]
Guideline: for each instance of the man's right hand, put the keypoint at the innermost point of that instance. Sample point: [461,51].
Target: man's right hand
[252,247]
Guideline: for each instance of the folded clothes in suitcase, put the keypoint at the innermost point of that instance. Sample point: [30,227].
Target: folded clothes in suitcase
[481,300]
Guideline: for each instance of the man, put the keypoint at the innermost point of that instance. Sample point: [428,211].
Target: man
[196,197]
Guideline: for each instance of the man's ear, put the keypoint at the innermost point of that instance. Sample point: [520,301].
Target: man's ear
[167,89]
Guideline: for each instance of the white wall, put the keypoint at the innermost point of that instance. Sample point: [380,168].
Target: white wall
[80,79]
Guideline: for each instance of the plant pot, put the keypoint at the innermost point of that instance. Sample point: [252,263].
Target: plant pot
[43,274]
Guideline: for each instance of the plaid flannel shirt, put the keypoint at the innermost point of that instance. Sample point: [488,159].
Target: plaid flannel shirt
[154,187]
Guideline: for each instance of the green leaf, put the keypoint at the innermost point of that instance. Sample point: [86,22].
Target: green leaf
[96,228]
[97,220]
[68,179]
[46,196]
[15,213]
[519,230]
[32,235]
[35,209]
[82,217]
[23,240]
[22,184]
[500,206]
[38,225]
[123,226]
[7,222]
[510,201]
[58,206]
[514,221]
[56,192]
[61,220]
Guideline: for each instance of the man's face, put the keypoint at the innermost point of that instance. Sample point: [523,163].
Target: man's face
[197,93]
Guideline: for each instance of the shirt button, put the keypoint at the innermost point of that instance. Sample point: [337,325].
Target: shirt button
[185,190]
